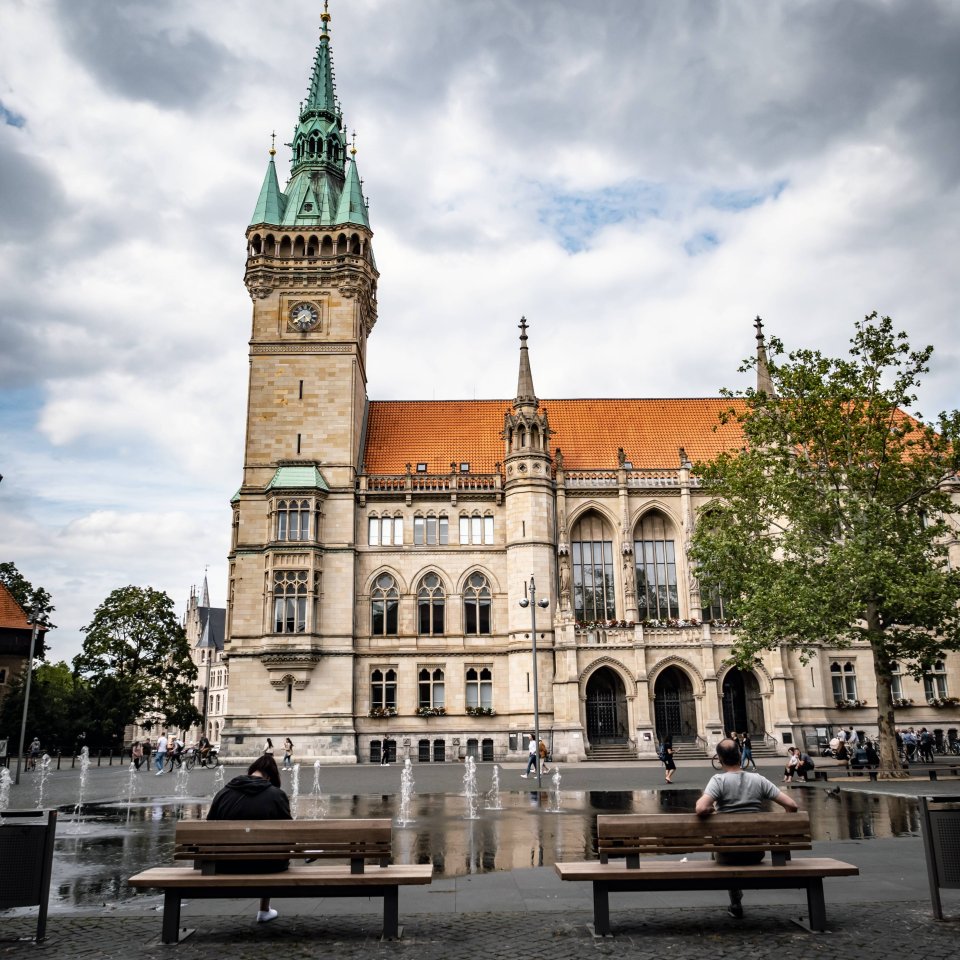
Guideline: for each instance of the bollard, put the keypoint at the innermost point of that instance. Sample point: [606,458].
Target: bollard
[59,758]
[73,762]
[99,757]
[110,761]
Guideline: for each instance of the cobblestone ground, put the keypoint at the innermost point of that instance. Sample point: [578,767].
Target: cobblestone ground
[857,930]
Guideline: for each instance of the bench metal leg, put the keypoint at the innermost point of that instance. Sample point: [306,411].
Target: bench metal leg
[171,916]
[391,913]
[816,907]
[601,909]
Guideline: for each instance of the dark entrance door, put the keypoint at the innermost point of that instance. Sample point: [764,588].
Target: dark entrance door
[606,708]
[674,711]
[742,703]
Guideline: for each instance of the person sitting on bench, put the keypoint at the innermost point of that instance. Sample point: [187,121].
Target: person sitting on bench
[738,791]
[257,796]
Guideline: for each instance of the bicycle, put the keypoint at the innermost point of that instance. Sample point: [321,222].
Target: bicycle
[194,757]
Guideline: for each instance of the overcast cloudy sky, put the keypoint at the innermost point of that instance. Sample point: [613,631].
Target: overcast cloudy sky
[639,178]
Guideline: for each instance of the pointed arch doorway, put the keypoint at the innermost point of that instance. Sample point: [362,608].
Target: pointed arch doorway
[674,710]
[606,708]
[742,702]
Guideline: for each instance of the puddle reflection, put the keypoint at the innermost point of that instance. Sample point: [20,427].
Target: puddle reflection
[114,842]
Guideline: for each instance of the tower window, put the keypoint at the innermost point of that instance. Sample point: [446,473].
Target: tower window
[290,601]
[293,519]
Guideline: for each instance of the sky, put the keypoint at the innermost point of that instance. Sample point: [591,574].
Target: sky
[640,179]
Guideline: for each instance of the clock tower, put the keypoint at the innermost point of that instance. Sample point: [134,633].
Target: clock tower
[312,278]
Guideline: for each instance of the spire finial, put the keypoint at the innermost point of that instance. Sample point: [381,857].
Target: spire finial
[525,391]
[764,380]
[273,143]
[523,332]
[324,17]
[353,144]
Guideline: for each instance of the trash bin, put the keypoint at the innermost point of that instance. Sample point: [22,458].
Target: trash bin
[940,822]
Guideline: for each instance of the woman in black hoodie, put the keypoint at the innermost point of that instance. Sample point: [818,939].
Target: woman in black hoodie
[257,796]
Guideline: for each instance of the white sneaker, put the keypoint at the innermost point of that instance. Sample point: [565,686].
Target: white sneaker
[159,773]
[523,776]
[265,916]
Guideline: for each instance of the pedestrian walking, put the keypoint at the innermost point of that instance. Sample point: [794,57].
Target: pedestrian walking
[160,756]
[287,753]
[666,755]
[136,754]
[544,755]
[268,747]
[746,751]
[533,749]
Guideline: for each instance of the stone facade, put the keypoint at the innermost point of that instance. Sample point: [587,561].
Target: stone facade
[374,594]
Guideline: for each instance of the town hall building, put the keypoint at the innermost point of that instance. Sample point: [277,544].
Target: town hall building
[380,550]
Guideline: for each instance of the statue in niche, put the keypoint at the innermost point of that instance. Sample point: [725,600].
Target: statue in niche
[565,581]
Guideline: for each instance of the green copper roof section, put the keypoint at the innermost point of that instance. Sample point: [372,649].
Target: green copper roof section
[298,478]
[236,497]
[271,202]
[328,201]
[352,207]
[321,95]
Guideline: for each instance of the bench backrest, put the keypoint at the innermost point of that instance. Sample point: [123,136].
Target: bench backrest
[208,842]
[632,834]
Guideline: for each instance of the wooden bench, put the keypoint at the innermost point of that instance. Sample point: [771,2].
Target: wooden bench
[215,846]
[630,835]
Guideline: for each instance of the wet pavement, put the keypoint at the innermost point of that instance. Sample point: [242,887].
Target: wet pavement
[494,890]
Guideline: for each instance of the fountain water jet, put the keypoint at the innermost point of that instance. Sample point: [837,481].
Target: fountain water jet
[131,780]
[42,778]
[470,788]
[319,802]
[406,794]
[294,790]
[493,801]
[183,776]
[84,773]
[5,781]
[218,778]
[555,805]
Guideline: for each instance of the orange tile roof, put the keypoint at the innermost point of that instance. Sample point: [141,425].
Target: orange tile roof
[12,616]
[441,432]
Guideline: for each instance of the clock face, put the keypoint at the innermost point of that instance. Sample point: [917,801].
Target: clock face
[303,316]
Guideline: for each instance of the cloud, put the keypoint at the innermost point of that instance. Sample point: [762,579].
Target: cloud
[639,179]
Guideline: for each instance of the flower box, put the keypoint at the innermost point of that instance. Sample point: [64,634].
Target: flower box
[850,704]
[480,711]
[379,712]
[431,711]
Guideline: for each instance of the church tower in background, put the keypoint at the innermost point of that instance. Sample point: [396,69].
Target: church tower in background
[312,277]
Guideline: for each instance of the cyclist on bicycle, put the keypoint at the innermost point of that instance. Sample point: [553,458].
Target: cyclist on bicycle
[203,750]
[34,754]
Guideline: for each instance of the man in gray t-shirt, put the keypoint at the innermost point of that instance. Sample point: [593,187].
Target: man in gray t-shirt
[738,791]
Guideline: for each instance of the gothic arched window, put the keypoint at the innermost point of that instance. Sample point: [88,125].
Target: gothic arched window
[591,545]
[430,606]
[476,605]
[293,519]
[290,601]
[384,604]
[656,565]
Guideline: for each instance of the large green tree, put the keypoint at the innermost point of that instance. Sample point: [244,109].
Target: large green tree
[54,714]
[831,525]
[137,661]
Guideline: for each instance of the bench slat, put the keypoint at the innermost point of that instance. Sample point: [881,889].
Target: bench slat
[693,870]
[183,878]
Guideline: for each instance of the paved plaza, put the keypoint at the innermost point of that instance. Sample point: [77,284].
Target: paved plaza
[523,912]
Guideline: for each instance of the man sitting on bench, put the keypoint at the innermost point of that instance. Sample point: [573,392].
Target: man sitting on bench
[738,791]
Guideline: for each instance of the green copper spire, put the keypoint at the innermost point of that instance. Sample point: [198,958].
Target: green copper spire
[321,96]
[324,189]
[352,207]
[271,202]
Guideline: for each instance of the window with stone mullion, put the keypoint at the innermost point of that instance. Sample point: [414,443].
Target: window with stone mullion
[431,693]
[430,606]
[480,688]
[383,689]
[656,569]
[384,606]
[290,601]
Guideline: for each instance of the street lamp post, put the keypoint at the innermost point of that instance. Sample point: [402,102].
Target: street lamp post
[26,692]
[532,602]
